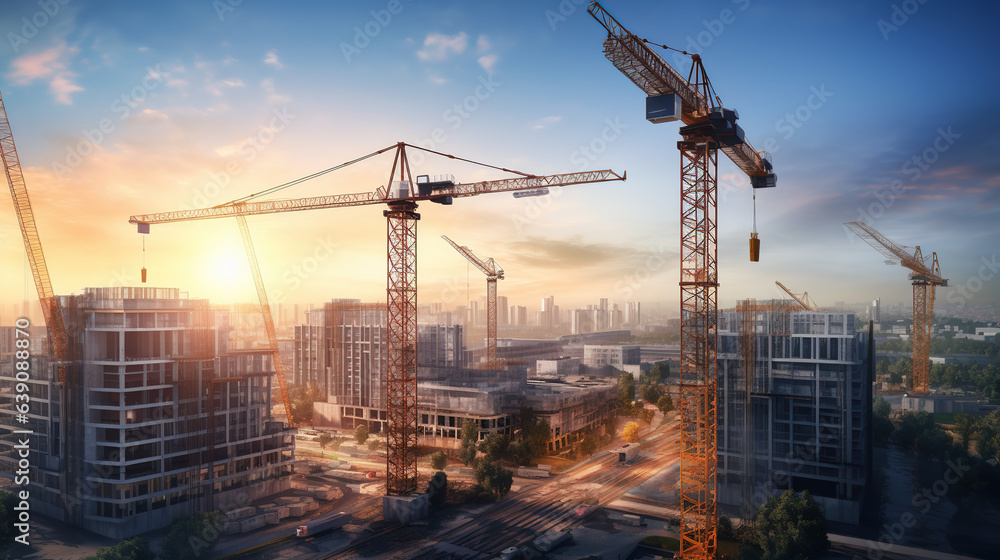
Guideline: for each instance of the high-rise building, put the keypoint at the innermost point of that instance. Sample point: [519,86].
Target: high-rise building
[794,393]
[310,367]
[518,315]
[548,316]
[359,363]
[159,419]
[440,346]
[632,317]
[502,316]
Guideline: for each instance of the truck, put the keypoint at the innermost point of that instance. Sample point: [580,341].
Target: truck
[323,523]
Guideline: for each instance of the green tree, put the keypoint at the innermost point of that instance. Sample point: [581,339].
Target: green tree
[881,424]
[535,432]
[665,404]
[965,427]
[519,451]
[655,375]
[136,548]
[588,445]
[918,431]
[792,527]
[630,433]
[361,434]
[192,536]
[302,399]
[988,442]
[493,479]
[646,415]
[438,460]
[495,446]
[650,393]
[374,445]
[470,431]
[324,440]
[725,528]
[626,388]
[467,454]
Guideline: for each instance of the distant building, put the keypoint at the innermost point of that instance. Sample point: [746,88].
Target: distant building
[159,418]
[632,314]
[560,367]
[614,355]
[518,315]
[799,416]
[440,346]
[309,366]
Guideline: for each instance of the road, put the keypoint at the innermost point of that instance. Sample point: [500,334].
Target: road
[536,507]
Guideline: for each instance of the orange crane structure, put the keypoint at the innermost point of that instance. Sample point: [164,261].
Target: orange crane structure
[493,272]
[54,322]
[925,279]
[804,300]
[708,128]
[402,198]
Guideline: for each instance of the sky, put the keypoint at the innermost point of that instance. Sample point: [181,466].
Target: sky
[881,111]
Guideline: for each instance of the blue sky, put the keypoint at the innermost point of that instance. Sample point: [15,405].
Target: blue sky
[202,102]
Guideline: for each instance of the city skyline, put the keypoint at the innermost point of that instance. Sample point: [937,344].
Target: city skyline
[127,110]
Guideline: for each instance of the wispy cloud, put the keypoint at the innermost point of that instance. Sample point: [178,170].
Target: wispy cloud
[488,61]
[438,46]
[272,59]
[482,44]
[546,122]
[273,97]
[51,64]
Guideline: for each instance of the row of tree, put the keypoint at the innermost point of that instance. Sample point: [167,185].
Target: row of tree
[944,343]
[984,379]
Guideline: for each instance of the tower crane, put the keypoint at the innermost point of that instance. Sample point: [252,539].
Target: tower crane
[804,300]
[925,279]
[54,322]
[708,128]
[493,272]
[401,282]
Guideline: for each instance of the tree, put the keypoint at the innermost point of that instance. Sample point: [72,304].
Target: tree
[792,527]
[588,445]
[988,443]
[302,399]
[725,528]
[631,432]
[324,440]
[437,488]
[965,427]
[438,460]
[519,451]
[918,431]
[136,548]
[655,375]
[626,388]
[881,424]
[374,445]
[646,415]
[470,431]
[467,454]
[534,432]
[361,434]
[650,393]
[192,536]
[493,479]
[665,404]
[495,446]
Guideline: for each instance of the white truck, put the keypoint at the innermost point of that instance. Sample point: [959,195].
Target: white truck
[328,522]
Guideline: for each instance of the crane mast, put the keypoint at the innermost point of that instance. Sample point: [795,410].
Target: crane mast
[493,273]
[925,280]
[401,278]
[708,128]
[54,322]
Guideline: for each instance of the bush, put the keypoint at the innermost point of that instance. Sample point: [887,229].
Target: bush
[792,527]
[631,432]
[493,478]
[374,445]
[467,454]
[361,434]
[437,488]
[192,536]
[438,460]
[665,404]
[136,548]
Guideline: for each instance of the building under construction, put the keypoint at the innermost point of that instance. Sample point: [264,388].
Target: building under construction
[161,420]
[794,393]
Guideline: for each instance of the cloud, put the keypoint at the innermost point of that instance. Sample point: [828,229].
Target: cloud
[487,62]
[272,59]
[438,46]
[547,121]
[267,84]
[482,44]
[51,64]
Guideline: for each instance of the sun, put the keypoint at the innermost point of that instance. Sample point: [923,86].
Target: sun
[228,275]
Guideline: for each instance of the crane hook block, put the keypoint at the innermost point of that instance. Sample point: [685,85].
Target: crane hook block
[754,248]
[143,275]
[143,228]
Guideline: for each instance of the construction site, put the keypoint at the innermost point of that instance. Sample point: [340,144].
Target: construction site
[147,404]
